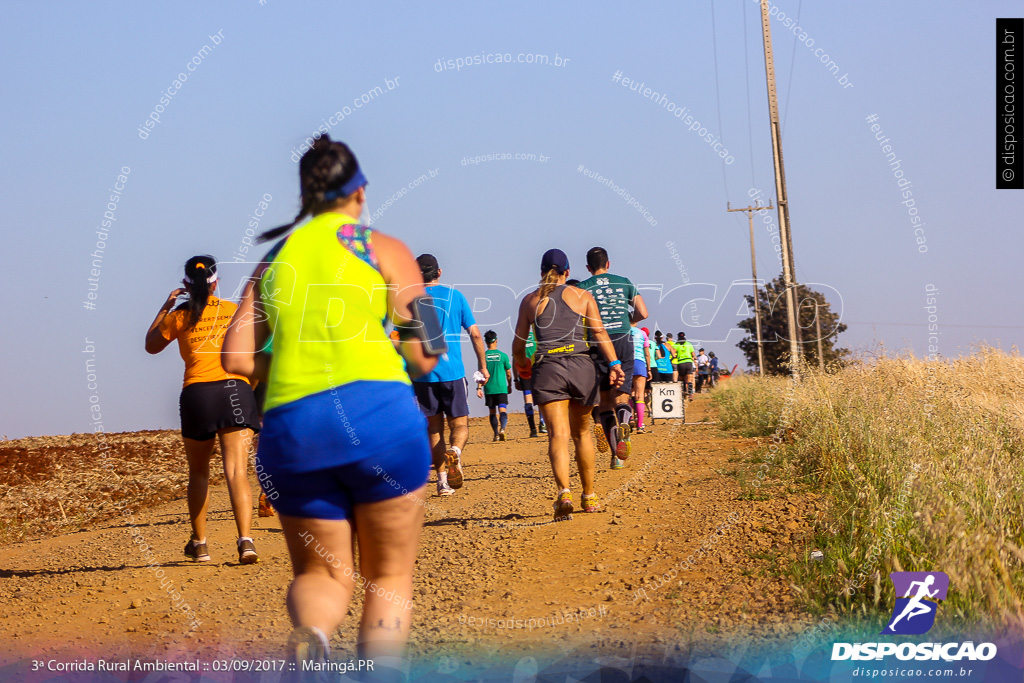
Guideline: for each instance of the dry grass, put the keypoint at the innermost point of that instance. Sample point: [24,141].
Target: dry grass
[923,465]
[57,484]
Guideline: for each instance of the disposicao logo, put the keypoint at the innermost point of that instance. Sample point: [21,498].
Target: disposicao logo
[914,614]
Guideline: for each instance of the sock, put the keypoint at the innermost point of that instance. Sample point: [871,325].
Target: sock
[608,424]
[458,451]
[242,539]
[494,423]
[640,415]
[691,387]
[201,541]
[625,412]
[442,477]
[503,418]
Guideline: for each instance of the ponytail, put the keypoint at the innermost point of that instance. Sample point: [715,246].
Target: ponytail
[548,282]
[200,274]
[328,172]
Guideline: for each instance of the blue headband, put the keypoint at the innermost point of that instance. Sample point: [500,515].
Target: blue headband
[357,181]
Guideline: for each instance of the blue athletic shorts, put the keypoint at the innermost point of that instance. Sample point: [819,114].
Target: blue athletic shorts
[362,442]
[640,368]
[449,398]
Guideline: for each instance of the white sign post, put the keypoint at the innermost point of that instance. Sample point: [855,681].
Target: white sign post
[669,402]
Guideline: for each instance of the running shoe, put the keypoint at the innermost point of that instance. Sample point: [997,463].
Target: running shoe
[533,433]
[641,430]
[307,644]
[623,447]
[444,489]
[589,502]
[247,552]
[543,428]
[266,509]
[563,506]
[197,552]
[617,464]
[454,469]
[501,435]
[495,439]
[600,438]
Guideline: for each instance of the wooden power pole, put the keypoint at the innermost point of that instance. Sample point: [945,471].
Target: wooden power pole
[788,276]
[753,269]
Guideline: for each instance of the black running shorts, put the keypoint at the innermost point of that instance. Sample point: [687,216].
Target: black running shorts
[623,344]
[573,376]
[208,407]
[495,400]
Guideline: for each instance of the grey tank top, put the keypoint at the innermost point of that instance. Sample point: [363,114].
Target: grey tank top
[559,329]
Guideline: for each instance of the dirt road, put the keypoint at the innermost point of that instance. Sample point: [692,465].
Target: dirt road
[488,554]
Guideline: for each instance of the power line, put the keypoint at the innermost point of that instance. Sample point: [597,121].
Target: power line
[718,98]
[750,117]
[792,63]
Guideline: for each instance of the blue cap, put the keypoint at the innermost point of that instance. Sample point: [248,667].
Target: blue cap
[554,258]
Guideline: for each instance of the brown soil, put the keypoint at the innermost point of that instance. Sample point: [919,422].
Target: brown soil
[488,552]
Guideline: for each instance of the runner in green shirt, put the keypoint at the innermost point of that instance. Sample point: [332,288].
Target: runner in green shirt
[495,390]
[525,385]
[615,296]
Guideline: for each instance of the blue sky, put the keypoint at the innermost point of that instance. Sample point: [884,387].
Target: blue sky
[82,78]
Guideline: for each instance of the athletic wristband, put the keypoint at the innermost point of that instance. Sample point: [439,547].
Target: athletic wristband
[613,363]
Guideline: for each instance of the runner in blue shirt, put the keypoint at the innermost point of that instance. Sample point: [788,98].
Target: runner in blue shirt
[444,392]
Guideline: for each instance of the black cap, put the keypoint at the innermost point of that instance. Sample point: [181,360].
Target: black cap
[490,336]
[554,258]
[428,266]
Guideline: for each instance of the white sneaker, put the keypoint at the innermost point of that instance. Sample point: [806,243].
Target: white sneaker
[443,489]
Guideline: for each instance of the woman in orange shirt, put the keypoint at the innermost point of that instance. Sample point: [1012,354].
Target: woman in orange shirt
[214,403]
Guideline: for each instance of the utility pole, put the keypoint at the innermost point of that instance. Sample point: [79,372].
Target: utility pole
[753,269]
[788,277]
[817,326]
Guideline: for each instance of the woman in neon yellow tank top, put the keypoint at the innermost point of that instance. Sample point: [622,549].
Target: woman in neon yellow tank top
[343,442]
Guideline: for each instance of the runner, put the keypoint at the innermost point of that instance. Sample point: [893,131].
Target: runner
[564,373]
[343,442]
[495,390]
[444,392]
[615,295]
[684,359]
[664,353]
[641,363]
[714,369]
[703,371]
[672,345]
[525,385]
[209,401]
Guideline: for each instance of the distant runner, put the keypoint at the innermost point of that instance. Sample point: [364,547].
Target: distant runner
[641,373]
[525,385]
[615,295]
[495,390]
[444,392]
[685,358]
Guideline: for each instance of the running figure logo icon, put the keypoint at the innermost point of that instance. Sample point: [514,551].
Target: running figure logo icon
[914,613]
